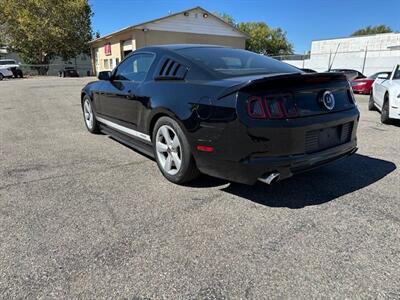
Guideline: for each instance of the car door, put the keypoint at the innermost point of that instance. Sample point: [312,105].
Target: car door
[120,101]
[379,90]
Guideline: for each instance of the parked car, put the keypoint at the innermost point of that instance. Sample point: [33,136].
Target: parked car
[364,85]
[385,95]
[5,73]
[224,112]
[308,70]
[14,67]
[349,73]
[68,72]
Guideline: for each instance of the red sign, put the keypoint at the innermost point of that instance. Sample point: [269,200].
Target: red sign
[107,49]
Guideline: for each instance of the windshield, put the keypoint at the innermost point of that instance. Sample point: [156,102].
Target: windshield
[235,62]
[7,62]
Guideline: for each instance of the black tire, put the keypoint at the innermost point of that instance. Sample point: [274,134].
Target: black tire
[385,111]
[20,74]
[188,170]
[1,76]
[63,74]
[371,105]
[95,128]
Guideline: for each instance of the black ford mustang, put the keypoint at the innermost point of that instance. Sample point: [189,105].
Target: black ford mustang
[224,112]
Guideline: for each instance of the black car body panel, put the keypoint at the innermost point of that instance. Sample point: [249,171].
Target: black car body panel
[211,110]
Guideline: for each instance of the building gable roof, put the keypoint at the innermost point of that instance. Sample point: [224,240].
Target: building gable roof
[164,23]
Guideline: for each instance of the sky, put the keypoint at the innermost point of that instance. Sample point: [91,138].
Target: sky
[303,21]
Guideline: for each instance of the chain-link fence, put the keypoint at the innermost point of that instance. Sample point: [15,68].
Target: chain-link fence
[81,63]
[366,61]
[55,69]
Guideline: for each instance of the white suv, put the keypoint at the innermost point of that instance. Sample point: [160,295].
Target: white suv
[13,66]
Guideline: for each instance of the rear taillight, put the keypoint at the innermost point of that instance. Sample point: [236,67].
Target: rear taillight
[255,108]
[280,106]
[350,94]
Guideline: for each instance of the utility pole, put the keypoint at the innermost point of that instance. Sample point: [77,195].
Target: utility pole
[337,49]
[365,58]
[329,61]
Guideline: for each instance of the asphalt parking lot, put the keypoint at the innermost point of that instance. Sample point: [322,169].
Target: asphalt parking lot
[82,216]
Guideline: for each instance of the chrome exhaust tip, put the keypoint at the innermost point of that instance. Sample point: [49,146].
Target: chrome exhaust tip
[271,178]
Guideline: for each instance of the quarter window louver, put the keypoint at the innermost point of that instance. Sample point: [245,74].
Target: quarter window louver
[171,70]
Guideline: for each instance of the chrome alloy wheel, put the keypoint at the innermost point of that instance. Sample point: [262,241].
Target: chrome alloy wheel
[88,113]
[169,150]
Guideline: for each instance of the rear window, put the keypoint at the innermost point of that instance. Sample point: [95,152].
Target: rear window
[7,62]
[235,62]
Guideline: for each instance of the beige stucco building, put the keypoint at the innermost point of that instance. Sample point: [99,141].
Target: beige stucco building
[193,26]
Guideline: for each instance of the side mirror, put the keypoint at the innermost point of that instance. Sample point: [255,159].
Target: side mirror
[104,75]
[383,76]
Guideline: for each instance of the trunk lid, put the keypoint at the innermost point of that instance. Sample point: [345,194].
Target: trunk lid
[307,91]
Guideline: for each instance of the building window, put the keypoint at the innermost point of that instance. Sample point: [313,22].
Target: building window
[117,61]
[106,66]
[111,64]
[107,49]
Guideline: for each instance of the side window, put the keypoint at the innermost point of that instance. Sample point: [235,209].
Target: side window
[135,67]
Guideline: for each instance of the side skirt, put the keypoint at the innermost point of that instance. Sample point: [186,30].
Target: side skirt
[127,140]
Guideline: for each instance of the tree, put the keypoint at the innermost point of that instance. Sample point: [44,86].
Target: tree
[372,30]
[3,36]
[266,40]
[262,38]
[227,18]
[39,30]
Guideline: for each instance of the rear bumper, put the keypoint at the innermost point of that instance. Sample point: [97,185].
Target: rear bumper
[363,89]
[256,151]
[249,171]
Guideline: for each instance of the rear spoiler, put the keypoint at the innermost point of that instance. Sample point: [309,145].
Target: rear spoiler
[306,77]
